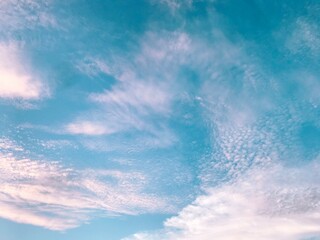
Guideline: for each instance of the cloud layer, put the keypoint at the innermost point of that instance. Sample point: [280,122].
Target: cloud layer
[269,203]
[50,195]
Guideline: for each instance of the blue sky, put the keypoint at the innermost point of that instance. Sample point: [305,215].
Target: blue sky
[159,119]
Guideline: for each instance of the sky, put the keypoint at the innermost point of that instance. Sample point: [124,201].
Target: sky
[159,120]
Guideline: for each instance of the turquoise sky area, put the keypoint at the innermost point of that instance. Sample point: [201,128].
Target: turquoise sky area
[159,120]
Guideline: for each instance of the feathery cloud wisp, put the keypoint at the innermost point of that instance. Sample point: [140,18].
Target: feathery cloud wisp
[50,195]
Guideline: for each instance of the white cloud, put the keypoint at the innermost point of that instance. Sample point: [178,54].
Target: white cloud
[87,128]
[272,203]
[92,67]
[13,85]
[57,144]
[160,138]
[142,96]
[16,80]
[174,5]
[7,144]
[145,89]
[27,14]
[304,38]
[169,48]
[50,195]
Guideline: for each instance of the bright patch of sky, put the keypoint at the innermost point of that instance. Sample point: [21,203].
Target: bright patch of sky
[159,120]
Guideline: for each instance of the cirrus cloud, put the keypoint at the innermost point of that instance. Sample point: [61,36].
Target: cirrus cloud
[53,196]
[270,203]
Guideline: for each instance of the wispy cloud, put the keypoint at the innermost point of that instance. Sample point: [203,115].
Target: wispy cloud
[252,189]
[304,38]
[27,14]
[145,90]
[56,197]
[270,203]
[160,138]
[174,5]
[87,128]
[142,96]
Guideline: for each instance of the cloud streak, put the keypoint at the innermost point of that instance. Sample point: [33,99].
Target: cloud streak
[142,99]
[50,195]
[28,14]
